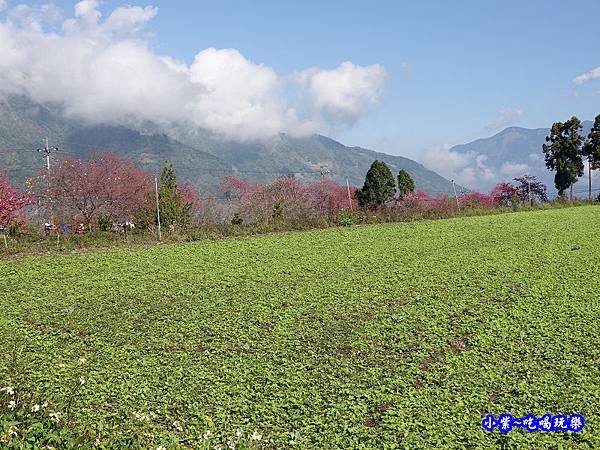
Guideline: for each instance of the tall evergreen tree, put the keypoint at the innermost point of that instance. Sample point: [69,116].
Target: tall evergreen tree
[405,183]
[173,210]
[563,153]
[379,185]
[591,150]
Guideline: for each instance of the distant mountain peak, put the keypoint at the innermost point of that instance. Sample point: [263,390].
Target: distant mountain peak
[510,153]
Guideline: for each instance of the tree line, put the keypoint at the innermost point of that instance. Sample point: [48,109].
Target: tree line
[565,150]
[105,189]
[108,192]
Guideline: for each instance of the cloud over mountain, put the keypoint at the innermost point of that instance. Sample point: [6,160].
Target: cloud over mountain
[103,70]
[467,168]
[481,164]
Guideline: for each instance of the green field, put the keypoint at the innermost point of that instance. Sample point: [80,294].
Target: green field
[388,336]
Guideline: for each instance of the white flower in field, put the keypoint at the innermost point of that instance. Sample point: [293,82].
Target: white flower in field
[82,360]
[55,416]
[35,408]
[161,447]
[177,427]
[206,434]
[45,404]
[239,433]
[62,366]
[12,405]
[140,417]
[9,390]
[295,436]
[81,380]
[12,431]
[230,444]
[256,436]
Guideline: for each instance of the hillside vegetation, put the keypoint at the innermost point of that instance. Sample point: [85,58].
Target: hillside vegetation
[388,336]
[197,155]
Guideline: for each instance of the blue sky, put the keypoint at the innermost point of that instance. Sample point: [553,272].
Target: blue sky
[451,68]
[456,71]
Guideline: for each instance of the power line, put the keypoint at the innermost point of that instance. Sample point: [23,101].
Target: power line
[585,191]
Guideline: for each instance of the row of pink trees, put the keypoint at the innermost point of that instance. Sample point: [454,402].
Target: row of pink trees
[420,202]
[293,200]
[285,198]
[114,188]
[527,190]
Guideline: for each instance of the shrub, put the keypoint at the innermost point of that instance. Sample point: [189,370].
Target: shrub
[348,218]
[478,200]
[104,223]
[237,219]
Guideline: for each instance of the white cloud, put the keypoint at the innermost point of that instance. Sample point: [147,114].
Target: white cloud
[466,168]
[345,93]
[237,95]
[3,4]
[88,9]
[475,170]
[102,69]
[587,76]
[130,17]
[34,17]
[506,116]
[513,169]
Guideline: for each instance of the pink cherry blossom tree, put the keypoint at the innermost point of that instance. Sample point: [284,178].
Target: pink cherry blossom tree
[12,201]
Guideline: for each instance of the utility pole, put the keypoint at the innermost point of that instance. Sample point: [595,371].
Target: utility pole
[47,150]
[590,178]
[157,207]
[349,196]
[455,195]
[571,195]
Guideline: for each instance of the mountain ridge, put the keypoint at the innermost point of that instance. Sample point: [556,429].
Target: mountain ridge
[198,156]
[512,152]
